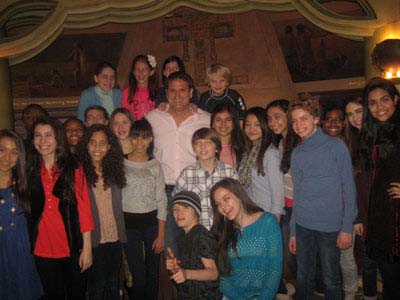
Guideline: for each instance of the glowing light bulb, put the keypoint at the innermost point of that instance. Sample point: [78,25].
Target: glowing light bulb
[389,74]
[398,73]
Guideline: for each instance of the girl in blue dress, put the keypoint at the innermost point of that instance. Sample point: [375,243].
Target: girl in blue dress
[18,277]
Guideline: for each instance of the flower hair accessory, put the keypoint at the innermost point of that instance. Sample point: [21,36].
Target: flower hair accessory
[152,60]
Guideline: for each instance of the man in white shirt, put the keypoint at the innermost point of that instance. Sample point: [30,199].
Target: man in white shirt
[173,130]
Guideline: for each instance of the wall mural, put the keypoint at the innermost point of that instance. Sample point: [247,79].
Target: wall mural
[314,54]
[203,29]
[65,68]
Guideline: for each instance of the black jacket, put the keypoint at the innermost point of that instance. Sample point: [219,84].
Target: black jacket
[383,229]
[67,207]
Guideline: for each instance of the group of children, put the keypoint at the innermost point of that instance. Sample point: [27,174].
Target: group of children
[143,93]
[93,193]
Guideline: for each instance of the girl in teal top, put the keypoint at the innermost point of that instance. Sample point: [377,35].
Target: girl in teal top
[249,256]
[103,93]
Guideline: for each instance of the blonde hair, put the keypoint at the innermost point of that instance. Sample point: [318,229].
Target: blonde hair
[307,103]
[218,70]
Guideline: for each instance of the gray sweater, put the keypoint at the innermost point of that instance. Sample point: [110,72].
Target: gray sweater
[267,191]
[145,188]
[324,188]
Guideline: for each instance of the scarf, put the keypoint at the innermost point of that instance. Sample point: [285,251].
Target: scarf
[247,164]
[105,99]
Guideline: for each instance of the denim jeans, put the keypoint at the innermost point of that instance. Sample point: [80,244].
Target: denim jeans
[172,231]
[309,244]
[103,276]
[349,269]
[143,263]
[319,283]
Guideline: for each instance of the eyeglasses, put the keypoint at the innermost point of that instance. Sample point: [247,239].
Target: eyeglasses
[70,130]
[334,120]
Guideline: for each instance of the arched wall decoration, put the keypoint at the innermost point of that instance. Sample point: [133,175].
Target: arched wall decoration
[74,14]
[347,26]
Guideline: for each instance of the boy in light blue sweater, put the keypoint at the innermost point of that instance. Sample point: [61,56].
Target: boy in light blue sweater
[324,201]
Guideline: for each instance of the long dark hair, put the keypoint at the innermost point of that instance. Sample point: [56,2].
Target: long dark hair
[225,232]
[113,161]
[352,134]
[142,128]
[266,136]
[237,138]
[169,59]
[152,84]
[64,161]
[292,139]
[18,175]
[375,132]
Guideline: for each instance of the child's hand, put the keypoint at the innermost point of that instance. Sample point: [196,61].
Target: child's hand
[85,259]
[292,245]
[163,106]
[172,264]
[180,276]
[344,240]
[394,191]
[158,244]
[169,264]
[192,108]
[358,229]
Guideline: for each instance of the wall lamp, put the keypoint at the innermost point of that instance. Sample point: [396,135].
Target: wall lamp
[386,56]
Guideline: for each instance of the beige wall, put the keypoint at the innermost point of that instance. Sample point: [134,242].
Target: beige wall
[252,53]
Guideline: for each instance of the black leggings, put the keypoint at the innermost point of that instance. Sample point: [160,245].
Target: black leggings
[61,278]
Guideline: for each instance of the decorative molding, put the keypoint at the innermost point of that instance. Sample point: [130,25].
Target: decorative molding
[354,83]
[52,102]
[356,28]
[80,14]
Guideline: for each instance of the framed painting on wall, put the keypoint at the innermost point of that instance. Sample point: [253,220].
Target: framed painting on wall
[65,68]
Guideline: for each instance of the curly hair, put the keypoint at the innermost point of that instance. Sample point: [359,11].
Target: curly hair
[309,104]
[292,139]
[113,161]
